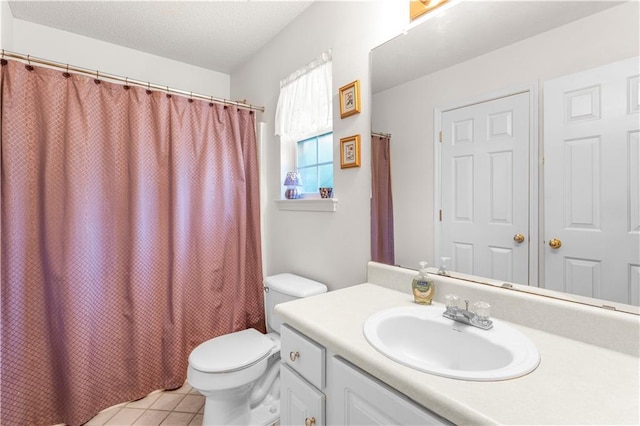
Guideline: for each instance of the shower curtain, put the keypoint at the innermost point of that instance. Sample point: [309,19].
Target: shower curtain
[382,245]
[130,234]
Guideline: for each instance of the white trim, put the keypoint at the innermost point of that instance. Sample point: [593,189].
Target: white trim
[437,191]
[261,132]
[536,207]
[309,204]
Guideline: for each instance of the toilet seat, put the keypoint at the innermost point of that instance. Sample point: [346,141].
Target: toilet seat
[231,352]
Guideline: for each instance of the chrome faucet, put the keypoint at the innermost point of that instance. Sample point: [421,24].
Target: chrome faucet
[479,319]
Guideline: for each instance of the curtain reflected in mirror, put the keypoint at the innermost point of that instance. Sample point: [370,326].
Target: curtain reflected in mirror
[382,244]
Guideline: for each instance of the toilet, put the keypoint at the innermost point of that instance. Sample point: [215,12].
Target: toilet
[239,373]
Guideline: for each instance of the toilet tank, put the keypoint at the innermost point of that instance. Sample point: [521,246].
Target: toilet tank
[283,288]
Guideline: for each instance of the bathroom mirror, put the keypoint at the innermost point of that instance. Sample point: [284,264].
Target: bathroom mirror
[474,62]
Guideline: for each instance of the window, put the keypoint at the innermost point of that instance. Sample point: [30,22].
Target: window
[304,122]
[315,162]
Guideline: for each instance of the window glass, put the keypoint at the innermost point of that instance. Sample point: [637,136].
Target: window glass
[307,153]
[325,148]
[325,176]
[315,162]
[309,177]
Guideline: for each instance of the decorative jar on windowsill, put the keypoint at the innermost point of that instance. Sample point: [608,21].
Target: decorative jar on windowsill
[292,182]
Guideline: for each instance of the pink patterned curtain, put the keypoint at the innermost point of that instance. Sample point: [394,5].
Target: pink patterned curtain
[130,234]
[382,245]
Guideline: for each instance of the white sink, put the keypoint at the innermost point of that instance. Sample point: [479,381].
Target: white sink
[421,338]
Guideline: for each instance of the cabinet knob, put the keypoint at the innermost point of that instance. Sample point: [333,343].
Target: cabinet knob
[309,421]
[293,356]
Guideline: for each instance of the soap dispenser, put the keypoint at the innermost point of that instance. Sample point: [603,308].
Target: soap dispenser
[423,286]
[443,267]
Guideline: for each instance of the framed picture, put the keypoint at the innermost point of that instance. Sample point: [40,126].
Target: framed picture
[350,152]
[350,99]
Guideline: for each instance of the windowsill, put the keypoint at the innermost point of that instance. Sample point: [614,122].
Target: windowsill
[309,204]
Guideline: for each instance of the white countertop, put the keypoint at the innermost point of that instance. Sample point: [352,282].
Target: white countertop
[575,383]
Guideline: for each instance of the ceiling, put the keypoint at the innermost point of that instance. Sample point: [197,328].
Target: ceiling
[216,35]
[468,29]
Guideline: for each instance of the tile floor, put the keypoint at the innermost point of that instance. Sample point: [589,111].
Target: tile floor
[179,407]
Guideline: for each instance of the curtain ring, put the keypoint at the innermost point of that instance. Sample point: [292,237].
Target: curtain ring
[97,79]
[148,88]
[66,73]
[168,94]
[28,66]
[211,103]
[126,83]
[3,61]
[191,97]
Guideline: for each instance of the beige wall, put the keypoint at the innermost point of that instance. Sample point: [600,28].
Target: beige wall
[6,26]
[330,247]
[65,47]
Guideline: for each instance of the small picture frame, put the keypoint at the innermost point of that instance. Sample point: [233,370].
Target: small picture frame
[350,99]
[350,152]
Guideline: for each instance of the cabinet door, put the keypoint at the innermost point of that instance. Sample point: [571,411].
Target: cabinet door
[355,398]
[300,403]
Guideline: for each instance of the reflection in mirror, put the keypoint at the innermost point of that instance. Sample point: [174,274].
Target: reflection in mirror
[536,180]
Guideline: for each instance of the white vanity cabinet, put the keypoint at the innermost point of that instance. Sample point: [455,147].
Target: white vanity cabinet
[302,376]
[315,391]
[356,398]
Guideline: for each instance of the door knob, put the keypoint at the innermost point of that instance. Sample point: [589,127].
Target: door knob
[518,238]
[310,421]
[555,243]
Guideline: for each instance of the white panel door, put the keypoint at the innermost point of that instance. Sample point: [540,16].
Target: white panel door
[592,182]
[485,188]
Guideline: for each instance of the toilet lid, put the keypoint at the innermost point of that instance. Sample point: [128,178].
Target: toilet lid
[231,351]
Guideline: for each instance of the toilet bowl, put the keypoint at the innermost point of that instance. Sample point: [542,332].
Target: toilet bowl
[239,373]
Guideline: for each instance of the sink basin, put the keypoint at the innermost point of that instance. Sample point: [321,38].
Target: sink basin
[421,338]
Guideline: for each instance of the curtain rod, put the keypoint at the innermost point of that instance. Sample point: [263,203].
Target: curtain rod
[144,84]
[381,135]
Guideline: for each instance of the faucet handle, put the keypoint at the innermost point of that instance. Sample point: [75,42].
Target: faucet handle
[482,310]
[451,301]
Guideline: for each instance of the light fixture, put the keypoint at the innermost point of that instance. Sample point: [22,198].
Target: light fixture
[418,8]
[292,182]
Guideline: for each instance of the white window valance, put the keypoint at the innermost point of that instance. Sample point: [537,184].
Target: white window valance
[304,106]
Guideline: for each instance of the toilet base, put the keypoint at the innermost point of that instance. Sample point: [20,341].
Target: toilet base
[266,413]
[237,413]
[230,407]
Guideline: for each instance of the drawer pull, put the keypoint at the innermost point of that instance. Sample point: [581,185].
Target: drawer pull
[309,421]
[293,356]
